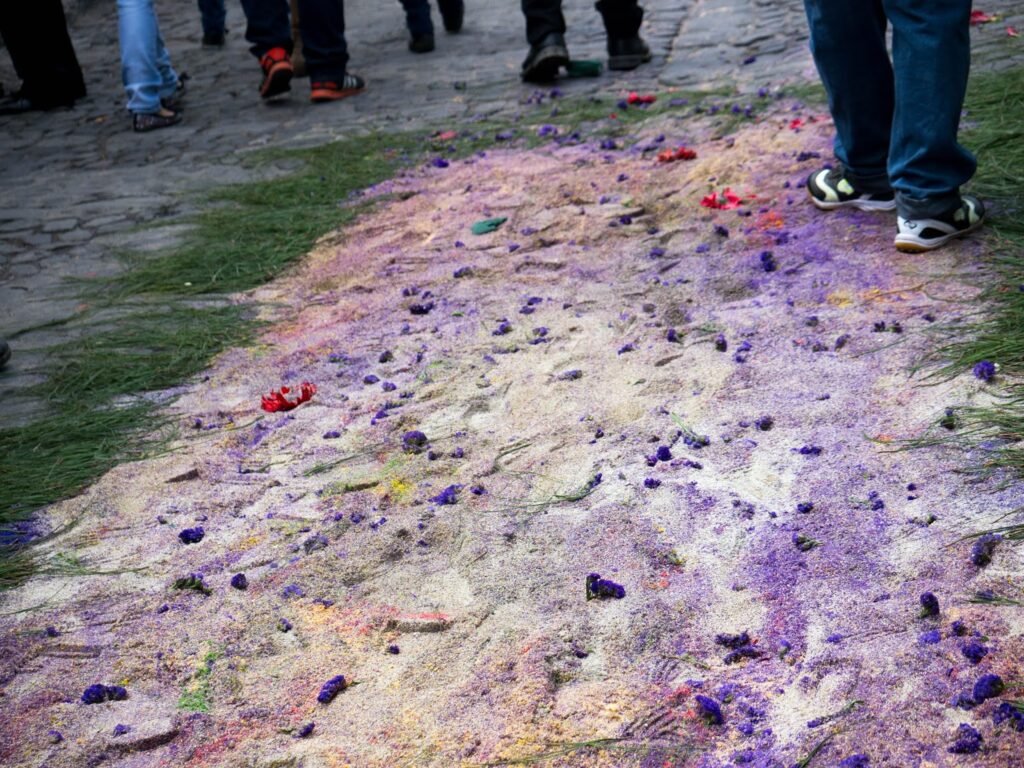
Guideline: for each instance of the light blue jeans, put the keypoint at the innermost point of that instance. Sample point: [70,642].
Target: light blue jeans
[145,64]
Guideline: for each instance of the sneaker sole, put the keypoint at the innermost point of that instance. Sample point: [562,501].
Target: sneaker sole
[277,81]
[910,244]
[625,63]
[546,67]
[860,205]
[319,97]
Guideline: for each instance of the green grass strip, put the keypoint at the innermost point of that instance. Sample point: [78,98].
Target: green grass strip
[993,130]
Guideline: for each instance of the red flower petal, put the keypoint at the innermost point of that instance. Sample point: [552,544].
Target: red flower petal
[682,153]
[276,400]
[980,17]
[636,98]
[1012,32]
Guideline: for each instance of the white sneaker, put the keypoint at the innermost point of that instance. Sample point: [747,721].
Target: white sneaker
[919,235]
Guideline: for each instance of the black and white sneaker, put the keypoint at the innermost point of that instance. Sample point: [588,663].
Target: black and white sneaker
[918,235]
[830,189]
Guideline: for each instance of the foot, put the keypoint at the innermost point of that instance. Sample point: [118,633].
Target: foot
[422,43]
[545,59]
[919,235]
[627,53]
[452,13]
[830,189]
[331,90]
[5,353]
[213,40]
[143,122]
[277,73]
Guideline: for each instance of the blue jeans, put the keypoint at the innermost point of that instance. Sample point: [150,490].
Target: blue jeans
[321,23]
[212,14]
[897,122]
[145,64]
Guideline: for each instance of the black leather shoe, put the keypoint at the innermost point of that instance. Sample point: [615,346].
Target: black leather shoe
[422,43]
[452,12]
[545,59]
[627,53]
[5,353]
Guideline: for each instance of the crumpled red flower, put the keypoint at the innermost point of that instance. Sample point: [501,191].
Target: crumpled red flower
[1012,32]
[980,17]
[671,155]
[636,98]
[277,399]
[725,200]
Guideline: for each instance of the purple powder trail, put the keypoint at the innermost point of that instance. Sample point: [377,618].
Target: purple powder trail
[735,479]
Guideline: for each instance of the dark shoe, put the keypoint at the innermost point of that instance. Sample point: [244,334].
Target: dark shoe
[919,235]
[452,13]
[5,353]
[214,40]
[18,103]
[329,90]
[142,122]
[422,43]
[277,73]
[830,188]
[627,53]
[545,59]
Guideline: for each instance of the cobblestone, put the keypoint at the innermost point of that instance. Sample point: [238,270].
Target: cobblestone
[74,184]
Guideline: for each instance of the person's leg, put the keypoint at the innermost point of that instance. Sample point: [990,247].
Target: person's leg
[848,45]
[323,41]
[452,13]
[168,77]
[140,70]
[268,31]
[37,38]
[622,19]
[267,26]
[931,57]
[212,15]
[417,17]
[543,18]
[322,23]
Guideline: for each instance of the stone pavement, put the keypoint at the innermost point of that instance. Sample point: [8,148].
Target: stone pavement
[76,185]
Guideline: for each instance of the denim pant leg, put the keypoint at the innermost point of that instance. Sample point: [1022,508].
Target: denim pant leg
[145,65]
[848,45]
[417,17]
[168,77]
[213,15]
[322,24]
[931,48]
[267,25]
[542,18]
[622,18]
